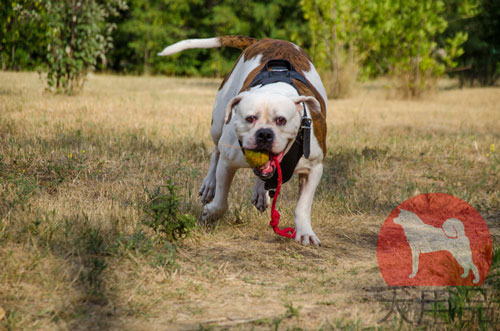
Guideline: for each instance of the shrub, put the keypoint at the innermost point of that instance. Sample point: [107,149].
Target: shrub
[78,35]
[164,215]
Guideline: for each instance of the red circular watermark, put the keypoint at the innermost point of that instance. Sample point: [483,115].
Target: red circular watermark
[434,239]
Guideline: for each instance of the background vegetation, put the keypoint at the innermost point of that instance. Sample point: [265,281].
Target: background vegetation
[413,41]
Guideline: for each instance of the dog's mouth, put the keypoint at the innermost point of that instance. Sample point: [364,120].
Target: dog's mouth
[267,170]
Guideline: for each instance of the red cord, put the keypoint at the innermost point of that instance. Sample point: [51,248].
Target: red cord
[275,216]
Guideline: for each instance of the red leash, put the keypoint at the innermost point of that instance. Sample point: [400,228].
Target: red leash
[275,216]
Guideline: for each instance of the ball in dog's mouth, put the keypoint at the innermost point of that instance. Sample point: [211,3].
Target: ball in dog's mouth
[263,162]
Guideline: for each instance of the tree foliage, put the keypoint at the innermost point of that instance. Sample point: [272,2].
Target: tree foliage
[78,35]
[149,26]
[383,37]
[413,41]
[22,39]
[480,61]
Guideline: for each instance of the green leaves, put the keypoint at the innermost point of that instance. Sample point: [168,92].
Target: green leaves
[164,214]
[413,41]
[383,37]
[78,35]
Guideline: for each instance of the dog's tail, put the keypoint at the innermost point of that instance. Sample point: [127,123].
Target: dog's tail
[240,42]
[454,228]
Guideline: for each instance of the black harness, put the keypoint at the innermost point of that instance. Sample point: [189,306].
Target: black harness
[283,71]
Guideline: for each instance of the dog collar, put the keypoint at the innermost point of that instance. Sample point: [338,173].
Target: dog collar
[282,71]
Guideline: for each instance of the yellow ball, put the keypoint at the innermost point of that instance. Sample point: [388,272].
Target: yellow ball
[256,159]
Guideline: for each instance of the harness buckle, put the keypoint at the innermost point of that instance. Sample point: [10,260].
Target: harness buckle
[306,123]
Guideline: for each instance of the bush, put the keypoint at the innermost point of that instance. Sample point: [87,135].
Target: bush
[77,36]
[164,215]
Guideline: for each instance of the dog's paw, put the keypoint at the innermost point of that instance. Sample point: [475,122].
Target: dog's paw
[212,212]
[307,237]
[207,189]
[260,198]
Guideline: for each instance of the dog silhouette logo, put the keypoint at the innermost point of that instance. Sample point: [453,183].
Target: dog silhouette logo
[424,238]
[434,239]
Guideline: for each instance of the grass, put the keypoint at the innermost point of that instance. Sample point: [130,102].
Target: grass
[77,172]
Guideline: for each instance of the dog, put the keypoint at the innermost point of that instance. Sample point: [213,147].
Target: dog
[424,238]
[272,97]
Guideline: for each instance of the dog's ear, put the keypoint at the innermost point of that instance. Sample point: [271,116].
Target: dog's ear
[229,109]
[311,102]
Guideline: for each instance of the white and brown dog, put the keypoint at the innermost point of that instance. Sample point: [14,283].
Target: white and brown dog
[261,114]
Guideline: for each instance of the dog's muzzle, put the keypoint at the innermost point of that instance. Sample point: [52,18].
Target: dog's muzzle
[264,139]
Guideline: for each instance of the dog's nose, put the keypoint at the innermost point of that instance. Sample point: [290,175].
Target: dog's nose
[264,137]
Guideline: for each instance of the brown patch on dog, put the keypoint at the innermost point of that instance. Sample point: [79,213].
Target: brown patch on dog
[237,41]
[279,49]
[271,49]
[319,120]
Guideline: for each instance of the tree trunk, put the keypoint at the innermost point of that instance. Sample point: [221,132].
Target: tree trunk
[416,78]
[13,56]
[146,62]
[335,55]
[4,65]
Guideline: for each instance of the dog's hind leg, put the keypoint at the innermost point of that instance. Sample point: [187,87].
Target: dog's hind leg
[467,264]
[415,254]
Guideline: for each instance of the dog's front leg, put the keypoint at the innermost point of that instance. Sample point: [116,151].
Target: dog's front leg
[304,232]
[260,199]
[415,254]
[224,177]
[207,189]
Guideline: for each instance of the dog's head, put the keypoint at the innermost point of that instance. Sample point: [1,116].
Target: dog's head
[268,122]
[405,217]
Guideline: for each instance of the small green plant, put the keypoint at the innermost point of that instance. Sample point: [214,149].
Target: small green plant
[292,311]
[164,215]
[473,307]
[165,256]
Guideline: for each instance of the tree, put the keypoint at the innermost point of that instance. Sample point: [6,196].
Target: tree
[333,26]
[411,41]
[149,26]
[78,35]
[22,38]
[382,36]
[481,21]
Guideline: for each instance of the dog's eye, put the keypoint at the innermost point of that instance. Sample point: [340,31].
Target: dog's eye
[251,119]
[280,121]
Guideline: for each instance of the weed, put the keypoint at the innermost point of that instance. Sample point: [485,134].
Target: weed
[165,257]
[93,254]
[341,324]
[275,323]
[165,217]
[138,242]
[202,327]
[472,307]
[292,311]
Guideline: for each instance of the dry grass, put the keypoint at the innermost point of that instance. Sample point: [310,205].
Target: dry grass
[75,254]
